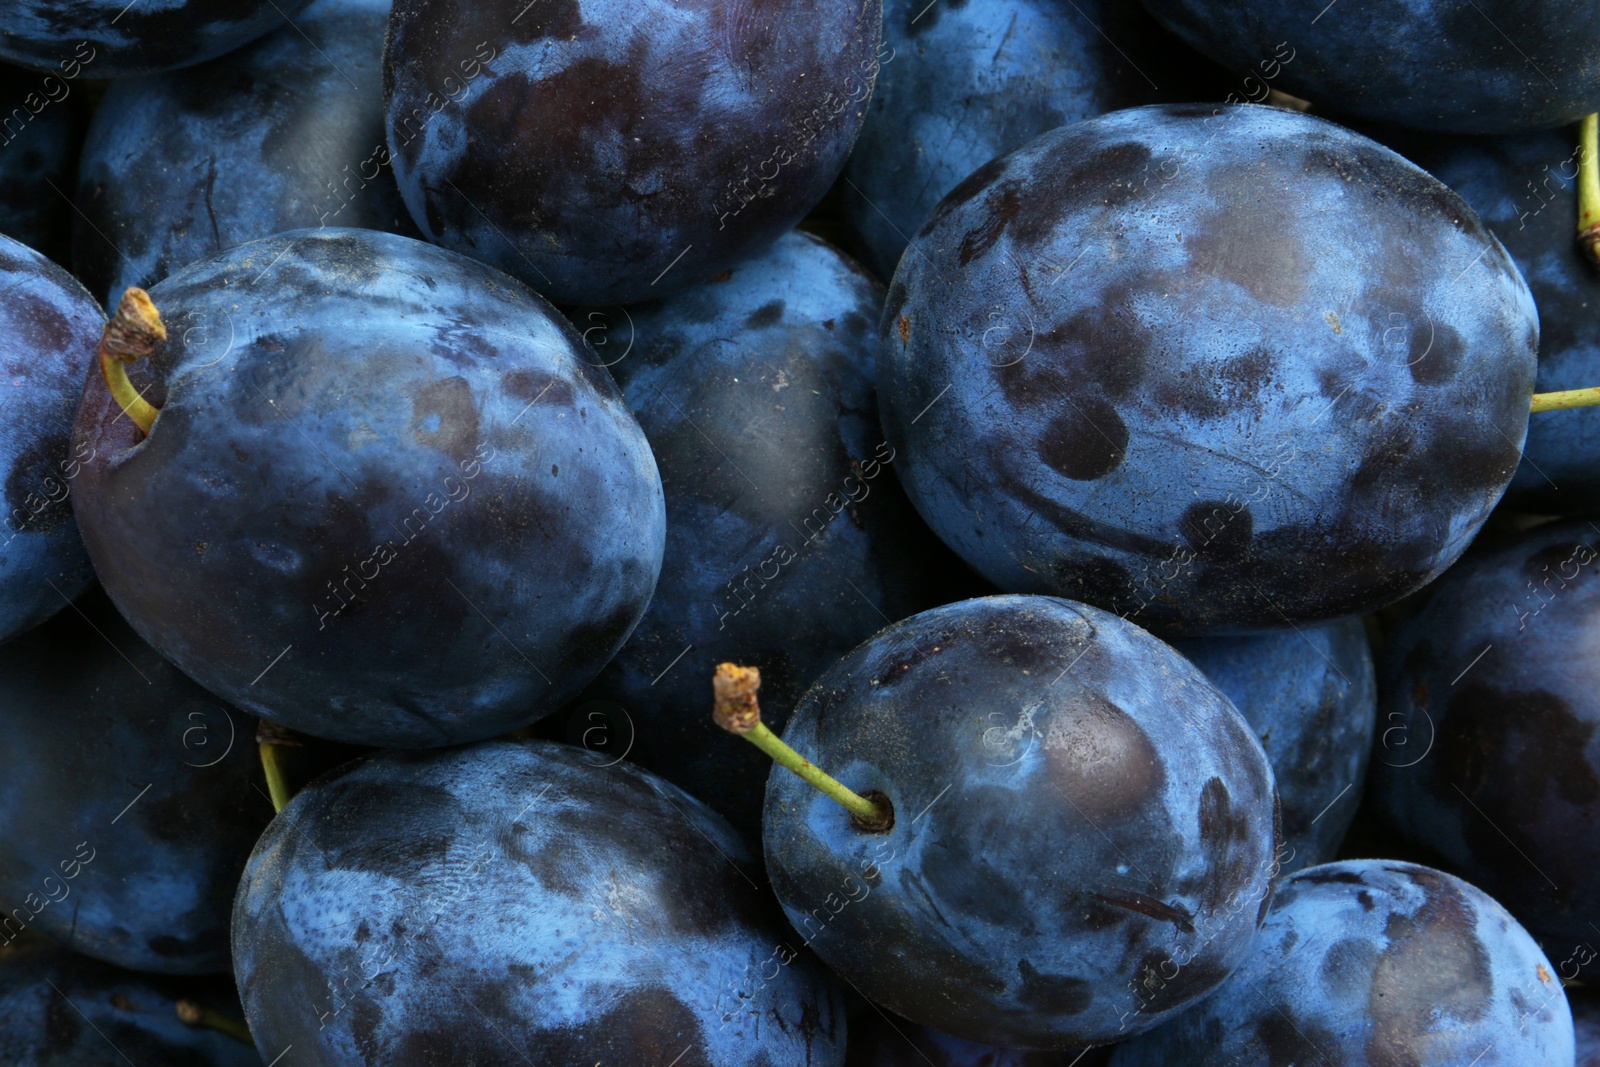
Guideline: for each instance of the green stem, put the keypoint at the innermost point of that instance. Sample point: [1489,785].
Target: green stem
[738,712]
[1589,187]
[195,1014]
[1566,398]
[272,740]
[130,335]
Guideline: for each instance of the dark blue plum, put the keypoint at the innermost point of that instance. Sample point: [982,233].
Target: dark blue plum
[38,142]
[59,1009]
[1217,369]
[387,500]
[115,39]
[511,903]
[130,797]
[789,541]
[1376,963]
[1494,689]
[615,150]
[284,134]
[963,83]
[1084,827]
[1524,187]
[51,327]
[876,1040]
[1311,696]
[1486,66]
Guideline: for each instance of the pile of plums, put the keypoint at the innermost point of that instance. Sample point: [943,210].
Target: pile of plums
[1147,532]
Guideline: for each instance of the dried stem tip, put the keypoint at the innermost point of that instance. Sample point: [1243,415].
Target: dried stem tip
[190,1013]
[270,733]
[736,709]
[135,330]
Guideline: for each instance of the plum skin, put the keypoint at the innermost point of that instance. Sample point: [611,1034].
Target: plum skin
[603,162]
[53,329]
[1500,773]
[115,39]
[1084,831]
[1311,696]
[284,134]
[587,912]
[1203,439]
[788,539]
[1376,962]
[440,520]
[140,877]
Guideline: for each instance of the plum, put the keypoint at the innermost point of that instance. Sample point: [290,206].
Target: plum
[284,134]
[1586,1025]
[963,83]
[1493,689]
[1082,835]
[789,541]
[1311,695]
[1371,963]
[115,38]
[509,902]
[52,327]
[1285,381]
[614,150]
[386,501]
[1486,66]
[58,1008]
[130,797]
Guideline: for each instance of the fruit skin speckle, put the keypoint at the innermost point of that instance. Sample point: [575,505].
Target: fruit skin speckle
[1084,834]
[1372,963]
[448,907]
[1117,386]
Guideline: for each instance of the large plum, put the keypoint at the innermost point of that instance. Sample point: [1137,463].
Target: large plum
[1376,963]
[1483,66]
[130,797]
[789,541]
[510,903]
[116,38]
[284,134]
[1083,834]
[1495,687]
[614,150]
[387,499]
[1218,369]
[51,327]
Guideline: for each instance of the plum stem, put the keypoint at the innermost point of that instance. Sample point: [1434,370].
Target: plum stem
[131,334]
[272,738]
[193,1013]
[1566,398]
[1589,187]
[737,711]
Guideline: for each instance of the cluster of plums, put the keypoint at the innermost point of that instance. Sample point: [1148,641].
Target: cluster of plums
[408,408]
